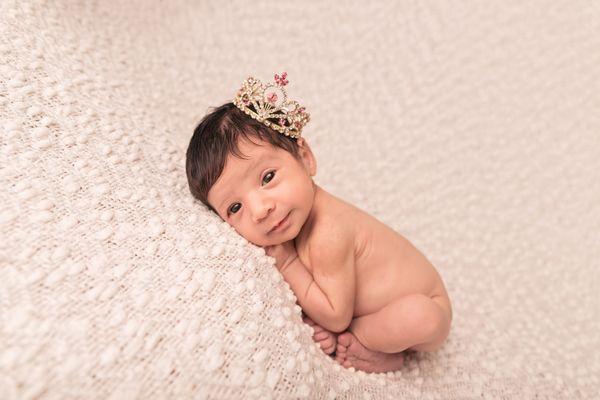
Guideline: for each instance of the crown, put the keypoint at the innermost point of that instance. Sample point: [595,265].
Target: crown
[268,104]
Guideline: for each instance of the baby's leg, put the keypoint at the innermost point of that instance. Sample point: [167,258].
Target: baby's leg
[415,322]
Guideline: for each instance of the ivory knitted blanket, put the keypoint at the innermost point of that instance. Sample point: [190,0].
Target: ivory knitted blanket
[472,128]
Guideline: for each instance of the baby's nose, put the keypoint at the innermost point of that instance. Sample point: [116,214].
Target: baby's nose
[261,213]
[261,207]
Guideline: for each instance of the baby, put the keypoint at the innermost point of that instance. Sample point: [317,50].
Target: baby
[350,272]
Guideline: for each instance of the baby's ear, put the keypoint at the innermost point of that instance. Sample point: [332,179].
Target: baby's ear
[308,159]
[302,144]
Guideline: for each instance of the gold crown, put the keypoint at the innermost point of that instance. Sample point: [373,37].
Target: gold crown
[268,103]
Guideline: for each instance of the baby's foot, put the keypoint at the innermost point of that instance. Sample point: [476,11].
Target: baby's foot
[326,339]
[351,353]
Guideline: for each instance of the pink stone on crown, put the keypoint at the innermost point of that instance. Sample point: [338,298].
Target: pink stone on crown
[272,98]
[281,81]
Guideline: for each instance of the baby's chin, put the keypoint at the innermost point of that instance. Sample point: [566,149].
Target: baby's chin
[264,243]
[275,240]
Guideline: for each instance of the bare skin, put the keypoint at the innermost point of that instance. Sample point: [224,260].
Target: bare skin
[351,274]
[349,352]
[327,340]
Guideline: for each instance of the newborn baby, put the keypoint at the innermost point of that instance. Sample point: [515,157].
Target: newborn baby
[350,273]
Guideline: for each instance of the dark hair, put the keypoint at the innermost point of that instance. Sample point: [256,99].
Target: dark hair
[217,136]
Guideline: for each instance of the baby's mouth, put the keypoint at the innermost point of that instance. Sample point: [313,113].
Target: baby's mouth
[284,220]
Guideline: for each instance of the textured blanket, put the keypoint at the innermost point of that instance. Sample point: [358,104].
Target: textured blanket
[472,128]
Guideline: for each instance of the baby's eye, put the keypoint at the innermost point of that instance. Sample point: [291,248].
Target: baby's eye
[230,211]
[236,206]
[271,174]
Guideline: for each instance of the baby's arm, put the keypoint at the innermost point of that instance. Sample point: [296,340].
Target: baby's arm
[327,295]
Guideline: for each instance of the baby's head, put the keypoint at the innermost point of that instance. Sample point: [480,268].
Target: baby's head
[251,175]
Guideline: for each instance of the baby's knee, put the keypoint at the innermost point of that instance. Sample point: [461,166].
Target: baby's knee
[436,331]
[429,346]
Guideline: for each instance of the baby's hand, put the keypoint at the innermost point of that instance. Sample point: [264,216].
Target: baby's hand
[283,253]
[327,340]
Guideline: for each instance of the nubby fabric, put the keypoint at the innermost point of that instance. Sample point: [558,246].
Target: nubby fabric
[472,129]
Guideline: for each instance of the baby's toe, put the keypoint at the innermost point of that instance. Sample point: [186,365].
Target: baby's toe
[328,342]
[317,329]
[345,339]
[329,349]
[340,356]
[321,335]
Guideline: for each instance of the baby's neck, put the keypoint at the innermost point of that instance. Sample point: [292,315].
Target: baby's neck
[316,209]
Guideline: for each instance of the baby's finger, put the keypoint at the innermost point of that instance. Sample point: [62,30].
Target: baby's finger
[308,321]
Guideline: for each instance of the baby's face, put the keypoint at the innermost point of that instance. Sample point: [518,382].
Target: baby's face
[256,194]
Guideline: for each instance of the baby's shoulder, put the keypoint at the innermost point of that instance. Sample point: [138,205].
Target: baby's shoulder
[336,227]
